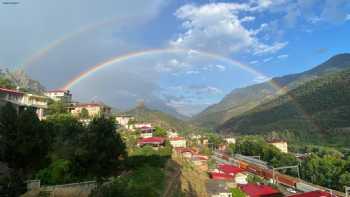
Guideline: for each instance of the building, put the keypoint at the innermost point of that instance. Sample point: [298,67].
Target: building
[60,95]
[172,134]
[229,169]
[313,194]
[280,144]
[256,190]
[125,121]
[142,125]
[241,178]
[152,141]
[230,140]
[21,100]
[177,142]
[217,188]
[93,109]
[220,176]
[146,132]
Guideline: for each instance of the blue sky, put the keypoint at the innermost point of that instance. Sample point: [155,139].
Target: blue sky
[55,41]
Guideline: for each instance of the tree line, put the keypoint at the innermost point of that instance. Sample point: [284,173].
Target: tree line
[57,150]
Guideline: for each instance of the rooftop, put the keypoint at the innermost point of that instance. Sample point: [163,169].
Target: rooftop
[220,176]
[10,91]
[229,169]
[176,138]
[151,140]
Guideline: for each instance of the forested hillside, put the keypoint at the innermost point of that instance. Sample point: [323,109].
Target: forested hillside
[244,99]
[318,111]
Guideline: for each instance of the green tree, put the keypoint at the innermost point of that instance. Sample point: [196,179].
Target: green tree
[84,114]
[100,148]
[159,132]
[59,172]
[56,107]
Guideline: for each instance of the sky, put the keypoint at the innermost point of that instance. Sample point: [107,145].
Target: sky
[177,55]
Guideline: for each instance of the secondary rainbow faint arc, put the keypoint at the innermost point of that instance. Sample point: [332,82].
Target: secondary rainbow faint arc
[44,51]
[127,56]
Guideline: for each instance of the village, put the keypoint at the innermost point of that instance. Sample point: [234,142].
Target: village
[218,173]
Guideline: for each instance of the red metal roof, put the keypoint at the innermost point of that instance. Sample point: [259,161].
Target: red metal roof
[10,91]
[176,138]
[151,140]
[229,169]
[313,194]
[220,176]
[254,190]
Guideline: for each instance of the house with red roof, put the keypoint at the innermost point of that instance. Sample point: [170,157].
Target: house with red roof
[220,176]
[256,190]
[229,169]
[152,141]
[314,194]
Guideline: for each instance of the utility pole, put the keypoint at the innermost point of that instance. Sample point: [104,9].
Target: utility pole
[281,168]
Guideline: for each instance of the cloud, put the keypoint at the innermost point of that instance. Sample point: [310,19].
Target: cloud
[217,27]
[321,50]
[261,79]
[347,17]
[254,62]
[267,59]
[268,49]
[284,56]
[247,19]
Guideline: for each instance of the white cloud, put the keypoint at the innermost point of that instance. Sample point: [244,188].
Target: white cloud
[173,65]
[254,62]
[284,56]
[220,67]
[347,17]
[267,59]
[192,72]
[217,27]
[247,19]
[261,79]
[266,49]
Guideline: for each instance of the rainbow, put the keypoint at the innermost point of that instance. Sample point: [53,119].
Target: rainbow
[93,69]
[58,42]
[136,54]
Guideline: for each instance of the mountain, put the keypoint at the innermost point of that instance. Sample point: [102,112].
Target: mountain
[317,111]
[244,99]
[161,119]
[20,79]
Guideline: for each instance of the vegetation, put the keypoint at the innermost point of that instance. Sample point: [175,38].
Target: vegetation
[317,113]
[237,192]
[242,100]
[58,150]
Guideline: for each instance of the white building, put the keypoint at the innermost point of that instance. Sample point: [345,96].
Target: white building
[172,134]
[60,95]
[177,142]
[241,178]
[280,144]
[124,121]
[230,140]
[21,99]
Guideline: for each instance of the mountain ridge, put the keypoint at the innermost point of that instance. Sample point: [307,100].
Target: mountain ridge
[244,99]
